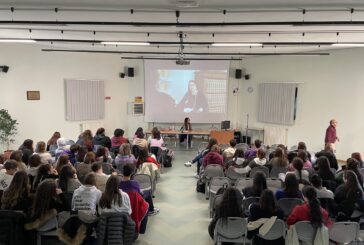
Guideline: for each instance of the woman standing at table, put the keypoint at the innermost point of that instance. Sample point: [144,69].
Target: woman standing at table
[186,127]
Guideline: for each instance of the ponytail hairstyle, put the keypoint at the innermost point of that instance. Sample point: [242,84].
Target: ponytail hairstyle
[298,165]
[352,185]
[316,218]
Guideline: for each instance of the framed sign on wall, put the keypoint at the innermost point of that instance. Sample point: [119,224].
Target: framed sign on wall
[33,95]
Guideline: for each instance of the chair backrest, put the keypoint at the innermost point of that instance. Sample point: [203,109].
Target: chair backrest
[248,201]
[214,170]
[287,204]
[241,183]
[344,232]
[233,175]
[144,180]
[243,146]
[274,184]
[275,171]
[217,182]
[12,227]
[263,169]
[234,230]
[305,232]
[278,230]
[216,201]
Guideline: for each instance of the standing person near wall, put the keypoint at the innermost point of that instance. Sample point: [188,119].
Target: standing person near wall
[330,137]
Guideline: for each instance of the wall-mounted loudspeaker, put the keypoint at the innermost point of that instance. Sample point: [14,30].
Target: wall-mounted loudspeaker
[247,77]
[4,69]
[130,72]
[238,74]
[122,75]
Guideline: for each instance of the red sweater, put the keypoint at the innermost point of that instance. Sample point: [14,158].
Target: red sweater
[213,158]
[139,208]
[330,136]
[302,213]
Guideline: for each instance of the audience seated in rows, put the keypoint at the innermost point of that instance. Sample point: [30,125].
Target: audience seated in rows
[237,160]
[17,156]
[252,152]
[328,152]
[213,157]
[68,181]
[124,157]
[41,150]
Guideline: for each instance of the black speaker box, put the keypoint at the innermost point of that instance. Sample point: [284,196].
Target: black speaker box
[247,139]
[237,136]
[130,72]
[122,75]
[5,69]
[238,73]
[247,77]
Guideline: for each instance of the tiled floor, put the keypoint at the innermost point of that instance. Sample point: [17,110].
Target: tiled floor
[184,216]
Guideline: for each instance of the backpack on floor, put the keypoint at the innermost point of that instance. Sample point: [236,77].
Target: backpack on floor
[167,158]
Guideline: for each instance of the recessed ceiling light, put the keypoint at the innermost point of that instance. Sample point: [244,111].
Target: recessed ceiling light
[127,43]
[236,44]
[17,41]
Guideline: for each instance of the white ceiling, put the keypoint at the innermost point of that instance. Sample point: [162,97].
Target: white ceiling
[291,31]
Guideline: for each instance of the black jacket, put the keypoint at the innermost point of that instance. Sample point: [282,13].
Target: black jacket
[115,229]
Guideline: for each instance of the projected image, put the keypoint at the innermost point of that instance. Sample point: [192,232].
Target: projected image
[198,92]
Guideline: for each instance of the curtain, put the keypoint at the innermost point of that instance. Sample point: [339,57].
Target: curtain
[84,100]
[277,103]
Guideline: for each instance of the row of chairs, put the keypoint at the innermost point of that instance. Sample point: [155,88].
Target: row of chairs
[235,231]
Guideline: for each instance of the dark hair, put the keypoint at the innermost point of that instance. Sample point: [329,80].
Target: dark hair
[81,153]
[140,129]
[18,188]
[316,180]
[298,165]
[357,156]
[75,148]
[43,171]
[17,156]
[86,135]
[156,134]
[128,169]
[301,146]
[303,155]
[118,132]
[111,194]
[2,158]
[239,153]
[96,166]
[28,143]
[90,179]
[315,209]
[142,158]
[259,183]
[258,143]
[261,153]
[280,155]
[67,173]
[324,168]
[102,152]
[100,131]
[353,165]
[34,160]
[44,195]
[10,164]
[41,147]
[212,141]
[267,201]
[353,188]
[232,143]
[63,160]
[186,124]
[231,205]
[53,140]
[291,185]
[140,135]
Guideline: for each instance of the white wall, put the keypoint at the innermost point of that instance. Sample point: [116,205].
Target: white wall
[32,69]
[331,87]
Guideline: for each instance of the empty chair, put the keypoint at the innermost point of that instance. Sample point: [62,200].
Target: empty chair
[233,175]
[263,169]
[287,204]
[247,202]
[344,232]
[234,230]
[305,232]
[212,170]
[241,183]
[277,231]
[274,184]
[145,182]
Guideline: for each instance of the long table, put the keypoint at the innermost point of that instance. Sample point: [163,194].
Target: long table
[223,137]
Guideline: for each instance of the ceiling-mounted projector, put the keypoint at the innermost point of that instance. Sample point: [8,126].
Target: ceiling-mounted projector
[182,62]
